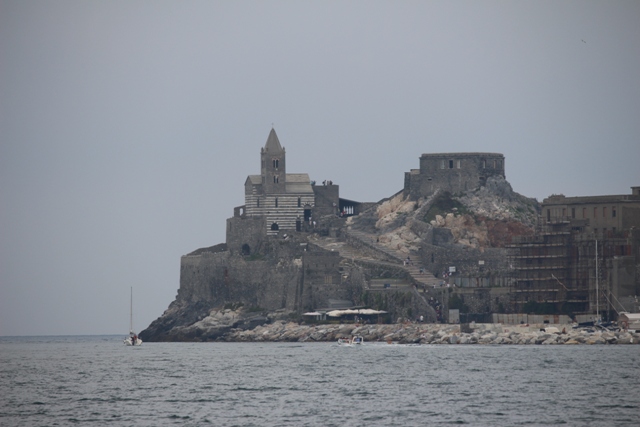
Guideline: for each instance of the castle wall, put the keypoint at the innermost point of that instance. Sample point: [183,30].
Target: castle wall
[437,258]
[326,199]
[452,172]
[216,279]
[322,279]
[286,274]
[241,231]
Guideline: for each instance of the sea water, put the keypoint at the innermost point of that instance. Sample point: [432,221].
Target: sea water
[48,381]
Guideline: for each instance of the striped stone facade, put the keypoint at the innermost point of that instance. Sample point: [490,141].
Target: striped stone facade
[284,200]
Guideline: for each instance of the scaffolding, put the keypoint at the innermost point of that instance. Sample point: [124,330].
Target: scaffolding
[566,269]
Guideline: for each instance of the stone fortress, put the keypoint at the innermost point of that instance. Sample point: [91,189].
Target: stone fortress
[455,172]
[456,244]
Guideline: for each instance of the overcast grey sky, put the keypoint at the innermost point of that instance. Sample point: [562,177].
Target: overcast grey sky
[128,128]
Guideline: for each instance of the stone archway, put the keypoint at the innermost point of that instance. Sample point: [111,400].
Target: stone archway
[246,249]
[275,227]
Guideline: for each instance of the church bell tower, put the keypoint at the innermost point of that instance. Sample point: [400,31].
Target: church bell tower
[273,165]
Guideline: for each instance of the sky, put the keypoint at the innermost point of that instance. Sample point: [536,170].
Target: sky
[128,128]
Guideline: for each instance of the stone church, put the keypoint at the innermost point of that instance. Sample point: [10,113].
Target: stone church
[284,200]
[277,202]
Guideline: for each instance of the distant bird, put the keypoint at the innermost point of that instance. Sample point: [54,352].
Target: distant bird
[583,41]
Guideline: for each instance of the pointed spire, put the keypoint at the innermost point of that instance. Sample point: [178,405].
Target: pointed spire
[273,144]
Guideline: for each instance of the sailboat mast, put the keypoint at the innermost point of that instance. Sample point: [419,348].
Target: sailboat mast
[597,291]
[131,311]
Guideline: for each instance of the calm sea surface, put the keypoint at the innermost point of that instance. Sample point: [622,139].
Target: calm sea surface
[46,381]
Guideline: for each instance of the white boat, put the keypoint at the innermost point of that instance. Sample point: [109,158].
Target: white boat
[355,340]
[133,338]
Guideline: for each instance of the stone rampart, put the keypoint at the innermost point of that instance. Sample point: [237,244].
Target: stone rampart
[452,172]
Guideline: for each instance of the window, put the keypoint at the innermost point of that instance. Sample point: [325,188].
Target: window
[595,213]
[442,164]
[276,162]
[275,179]
[604,212]
[258,202]
[548,214]
[450,164]
[484,164]
[613,212]
[573,212]
[276,202]
[564,212]
[299,202]
[584,213]
[458,164]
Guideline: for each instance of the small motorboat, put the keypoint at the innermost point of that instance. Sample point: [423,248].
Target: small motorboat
[355,340]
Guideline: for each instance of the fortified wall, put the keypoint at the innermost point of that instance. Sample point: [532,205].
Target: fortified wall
[452,172]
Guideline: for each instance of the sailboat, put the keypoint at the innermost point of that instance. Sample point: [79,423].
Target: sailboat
[133,338]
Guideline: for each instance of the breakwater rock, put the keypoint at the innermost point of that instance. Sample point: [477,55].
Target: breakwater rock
[281,331]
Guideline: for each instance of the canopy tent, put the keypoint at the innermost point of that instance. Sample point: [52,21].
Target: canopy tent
[335,313]
[371,311]
[362,311]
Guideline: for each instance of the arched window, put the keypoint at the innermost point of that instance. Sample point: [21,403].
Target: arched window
[274,226]
[275,179]
[276,163]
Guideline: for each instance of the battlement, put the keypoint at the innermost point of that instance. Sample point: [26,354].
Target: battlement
[453,172]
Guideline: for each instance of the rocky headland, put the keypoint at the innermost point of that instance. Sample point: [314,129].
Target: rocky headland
[340,258]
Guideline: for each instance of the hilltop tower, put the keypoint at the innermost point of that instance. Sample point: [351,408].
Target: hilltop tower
[453,172]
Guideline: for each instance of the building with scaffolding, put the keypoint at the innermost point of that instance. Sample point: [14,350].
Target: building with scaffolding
[583,259]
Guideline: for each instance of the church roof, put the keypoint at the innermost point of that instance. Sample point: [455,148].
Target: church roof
[298,183]
[273,143]
[254,179]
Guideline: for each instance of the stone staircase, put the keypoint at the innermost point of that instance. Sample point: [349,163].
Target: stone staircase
[424,280]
